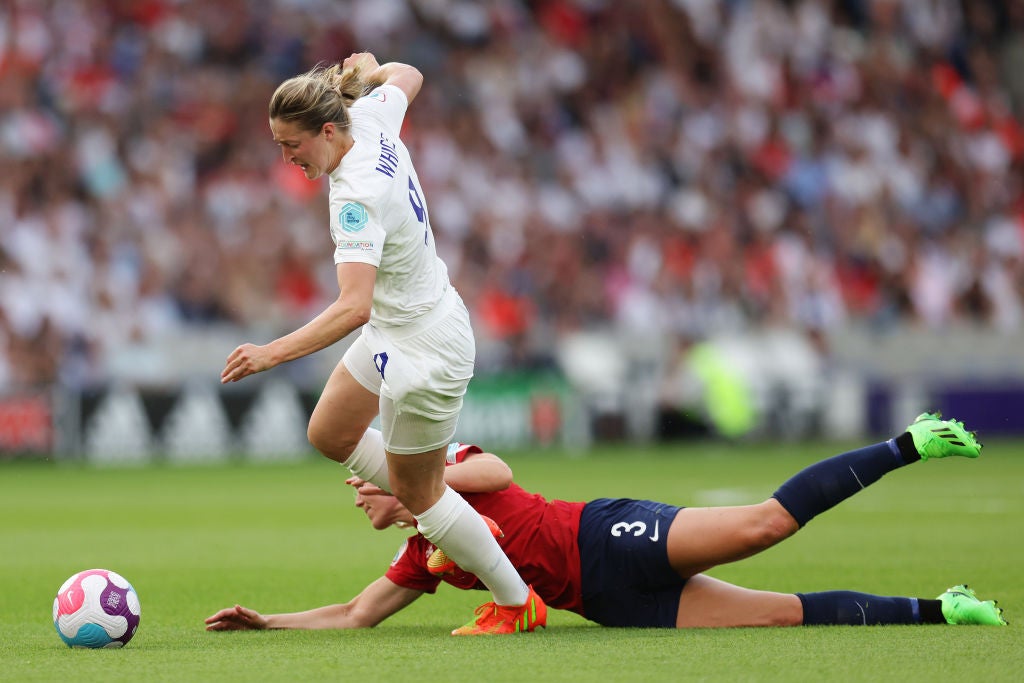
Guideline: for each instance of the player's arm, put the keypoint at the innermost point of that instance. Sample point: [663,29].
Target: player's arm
[406,78]
[479,473]
[374,604]
[346,313]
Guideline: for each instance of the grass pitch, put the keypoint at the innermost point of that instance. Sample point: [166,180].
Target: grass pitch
[287,537]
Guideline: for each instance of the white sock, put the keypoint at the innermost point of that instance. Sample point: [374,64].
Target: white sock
[369,461]
[455,527]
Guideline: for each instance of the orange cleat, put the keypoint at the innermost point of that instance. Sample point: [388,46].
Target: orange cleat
[493,619]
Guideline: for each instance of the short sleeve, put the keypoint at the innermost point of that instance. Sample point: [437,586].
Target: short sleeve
[457,452]
[357,232]
[387,105]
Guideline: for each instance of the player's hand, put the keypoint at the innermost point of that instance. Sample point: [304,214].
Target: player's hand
[247,359]
[364,61]
[365,488]
[236,618]
[368,489]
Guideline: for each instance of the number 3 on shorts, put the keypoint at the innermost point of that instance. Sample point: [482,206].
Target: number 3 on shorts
[636,528]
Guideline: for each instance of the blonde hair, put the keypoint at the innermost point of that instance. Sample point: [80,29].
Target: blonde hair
[322,94]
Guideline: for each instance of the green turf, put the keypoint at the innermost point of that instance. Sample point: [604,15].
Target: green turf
[280,538]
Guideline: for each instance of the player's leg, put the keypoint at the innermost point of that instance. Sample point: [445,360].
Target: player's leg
[345,409]
[339,426]
[829,482]
[709,602]
[445,519]
[426,372]
[701,538]
[958,605]
[417,480]
[442,515]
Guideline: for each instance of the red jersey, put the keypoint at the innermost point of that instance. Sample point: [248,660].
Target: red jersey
[540,541]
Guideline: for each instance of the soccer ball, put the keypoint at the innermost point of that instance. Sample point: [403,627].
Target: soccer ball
[96,608]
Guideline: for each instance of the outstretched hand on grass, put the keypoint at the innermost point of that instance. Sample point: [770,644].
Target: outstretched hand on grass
[236,618]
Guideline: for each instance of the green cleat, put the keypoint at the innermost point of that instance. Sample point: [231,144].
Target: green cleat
[961,606]
[937,438]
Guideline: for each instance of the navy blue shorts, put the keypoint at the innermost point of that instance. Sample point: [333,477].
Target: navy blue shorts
[626,577]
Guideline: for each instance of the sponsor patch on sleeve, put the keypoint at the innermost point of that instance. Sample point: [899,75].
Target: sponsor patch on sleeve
[361,245]
[352,217]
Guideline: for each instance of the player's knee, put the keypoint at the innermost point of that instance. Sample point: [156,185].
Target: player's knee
[760,537]
[780,524]
[773,525]
[333,444]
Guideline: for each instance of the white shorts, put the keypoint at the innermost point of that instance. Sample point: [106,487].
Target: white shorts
[420,371]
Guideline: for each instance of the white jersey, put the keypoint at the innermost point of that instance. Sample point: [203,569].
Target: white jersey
[379,214]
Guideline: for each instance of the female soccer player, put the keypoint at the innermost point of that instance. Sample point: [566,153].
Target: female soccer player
[415,354]
[622,562]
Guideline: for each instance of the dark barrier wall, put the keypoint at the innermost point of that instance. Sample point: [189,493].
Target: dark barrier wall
[261,420]
[989,409]
[268,420]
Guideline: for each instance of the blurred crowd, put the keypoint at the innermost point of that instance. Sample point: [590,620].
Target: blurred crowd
[678,168]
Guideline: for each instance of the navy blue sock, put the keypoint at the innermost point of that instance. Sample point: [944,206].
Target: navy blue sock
[825,484]
[857,609]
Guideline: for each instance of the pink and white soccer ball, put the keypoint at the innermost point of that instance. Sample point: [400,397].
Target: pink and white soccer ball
[96,608]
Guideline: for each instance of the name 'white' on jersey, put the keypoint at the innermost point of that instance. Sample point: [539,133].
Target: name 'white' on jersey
[379,214]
